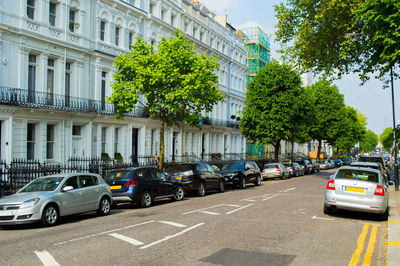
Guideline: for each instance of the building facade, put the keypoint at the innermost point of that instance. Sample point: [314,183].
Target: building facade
[57,66]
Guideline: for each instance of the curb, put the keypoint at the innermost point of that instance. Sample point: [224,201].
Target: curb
[393,229]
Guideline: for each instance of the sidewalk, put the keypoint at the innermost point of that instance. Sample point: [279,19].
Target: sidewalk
[393,228]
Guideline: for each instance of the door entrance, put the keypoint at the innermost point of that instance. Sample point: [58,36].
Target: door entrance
[135,135]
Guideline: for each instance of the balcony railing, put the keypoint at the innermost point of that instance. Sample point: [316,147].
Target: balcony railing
[51,101]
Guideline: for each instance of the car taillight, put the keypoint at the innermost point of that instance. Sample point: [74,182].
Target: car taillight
[379,191]
[277,169]
[131,183]
[331,185]
[291,168]
[263,170]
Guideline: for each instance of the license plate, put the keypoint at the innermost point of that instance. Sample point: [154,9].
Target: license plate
[115,187]
[271,175]
[178,177]
[355,189]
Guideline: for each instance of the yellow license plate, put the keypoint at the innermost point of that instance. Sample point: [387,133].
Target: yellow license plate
[271,175]
[115,187]
[355,189]
[178,177]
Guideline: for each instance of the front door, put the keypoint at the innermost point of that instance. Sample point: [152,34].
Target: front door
[90,190]
[135,136]
[72,200]
[164,187]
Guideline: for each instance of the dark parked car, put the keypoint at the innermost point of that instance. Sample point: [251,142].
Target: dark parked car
[347,160]
[240,173]
[295,169]
[337,162]
[315,165]
[197,177]
[142,185]
[307,166]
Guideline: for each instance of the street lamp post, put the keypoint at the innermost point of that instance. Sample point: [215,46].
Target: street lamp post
[396,168]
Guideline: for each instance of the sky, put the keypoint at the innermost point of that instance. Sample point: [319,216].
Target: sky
[371,99]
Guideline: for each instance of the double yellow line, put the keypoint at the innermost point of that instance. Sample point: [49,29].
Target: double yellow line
[360,245]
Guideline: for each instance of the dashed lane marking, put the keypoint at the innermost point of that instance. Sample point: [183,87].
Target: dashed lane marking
[240,208]
[287,190]
[202,209]
[211,213]
[127,239]
[171,236]
[270,197]
[46,258]
[102,233]
[173,224]
[253,199]
[322,218]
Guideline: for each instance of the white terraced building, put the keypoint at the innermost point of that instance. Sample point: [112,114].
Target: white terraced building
[57,66]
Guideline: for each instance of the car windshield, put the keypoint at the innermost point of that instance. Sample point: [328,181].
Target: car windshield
[269,166]
[233,166]
[180,168]
[43,184]
[117,175]
[358,175]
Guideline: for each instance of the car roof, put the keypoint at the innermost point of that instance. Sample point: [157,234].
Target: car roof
[366,163]
[359,168]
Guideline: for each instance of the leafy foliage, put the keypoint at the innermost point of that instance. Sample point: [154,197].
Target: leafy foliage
[369,142]
[272,106]
[386,138]
[176,83]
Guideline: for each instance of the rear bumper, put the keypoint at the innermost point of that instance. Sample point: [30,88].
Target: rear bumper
[271,175]
[376,205]
[122,197]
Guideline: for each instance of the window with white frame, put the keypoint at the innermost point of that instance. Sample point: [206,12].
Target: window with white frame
[103,139]
[71,22]
[67,85]
[32,77]
[52,13]
[116,140]
[117,30]
[50,142]
[102,30]
[30,141]
[50,80]
[103,89]
[30,9]
[130,39]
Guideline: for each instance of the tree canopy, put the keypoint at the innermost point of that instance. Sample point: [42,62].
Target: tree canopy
[369,142]
[176,82]
[336,37]
[386,137]
[271,106]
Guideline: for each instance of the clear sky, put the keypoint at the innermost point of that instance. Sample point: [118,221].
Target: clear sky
[370,99]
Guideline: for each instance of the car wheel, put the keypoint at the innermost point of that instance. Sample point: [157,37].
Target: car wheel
[146,199]
[385,216]
[201,191]
[297,173]
[221,186]
[284,177]
[50,215]
[327,210]
[179,194]
[242,182]
[258,181]
[104,207]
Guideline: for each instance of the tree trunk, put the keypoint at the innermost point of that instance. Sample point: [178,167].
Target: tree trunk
[319,149]
[276,146]
[162,145]
[291,153]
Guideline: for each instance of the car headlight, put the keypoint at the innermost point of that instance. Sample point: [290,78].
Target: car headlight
[29,203]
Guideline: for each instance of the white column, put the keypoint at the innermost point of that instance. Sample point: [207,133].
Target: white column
[128,143]
[41,141]
[110,141]
[142,141]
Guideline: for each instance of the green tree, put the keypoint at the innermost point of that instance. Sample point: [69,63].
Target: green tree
[177,83]
[386,138]
[313,34]
[369,142]
[270,108]
[329,112]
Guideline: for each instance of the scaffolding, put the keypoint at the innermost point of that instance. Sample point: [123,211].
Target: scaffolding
[257,43]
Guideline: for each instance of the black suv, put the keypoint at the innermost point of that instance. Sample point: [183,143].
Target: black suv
[197,177]
[315,165]
[240,173]
[142,185]
[307,166]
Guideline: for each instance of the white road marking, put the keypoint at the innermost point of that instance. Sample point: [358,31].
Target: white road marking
[102,233]
[286,190]
[172,223]
[239,208]
[203,209]
[252,199]
[207,212]
[127,239]
[322,218]
[270,197]
[232,205]
[46,258]
[171,236]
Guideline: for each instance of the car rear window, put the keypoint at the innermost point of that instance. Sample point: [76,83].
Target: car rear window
[118,175]
[180,168]
[358,175]
[269,166]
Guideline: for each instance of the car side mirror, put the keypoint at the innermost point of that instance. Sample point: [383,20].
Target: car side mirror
[390,183]
[67,188]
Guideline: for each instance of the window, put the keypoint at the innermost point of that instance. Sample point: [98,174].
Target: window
[31,78]
[50,81]
[88,181]
[76,130]
[130,40]
[151,8]
[67,83]
[30,9]
[102,29]
[50,142]
[103,90]
[31,136]
[117,35]
[72,20]
[72,181]
[103,139]
[52,13]
[116,140]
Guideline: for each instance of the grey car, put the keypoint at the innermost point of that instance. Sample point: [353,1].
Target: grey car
[294,169]
[274,170]
[357,189]
[48,198]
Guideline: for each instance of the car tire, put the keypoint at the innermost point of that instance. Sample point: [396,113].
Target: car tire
[104,206]
[146,199]
[242,182]
[258,181]
[385,216]
[327,210]
[201,191]
[179,194]
[221,186]
[50,215]
[297,173]
[284,177]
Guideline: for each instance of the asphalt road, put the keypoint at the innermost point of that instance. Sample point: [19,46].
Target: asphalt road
[278,223]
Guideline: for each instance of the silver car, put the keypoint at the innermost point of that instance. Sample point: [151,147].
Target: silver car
[357,189]
[274,170]
[46,199]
